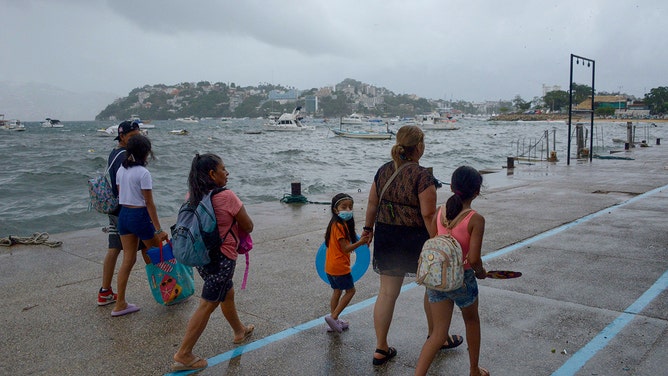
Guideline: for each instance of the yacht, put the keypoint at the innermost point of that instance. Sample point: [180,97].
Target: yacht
[52,123]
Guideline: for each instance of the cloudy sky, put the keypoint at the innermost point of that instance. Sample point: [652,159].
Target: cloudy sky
[470,50]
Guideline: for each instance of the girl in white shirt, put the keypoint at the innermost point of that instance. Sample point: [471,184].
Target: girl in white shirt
[138,218]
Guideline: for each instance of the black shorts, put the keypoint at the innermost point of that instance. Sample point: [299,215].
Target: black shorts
[217,277]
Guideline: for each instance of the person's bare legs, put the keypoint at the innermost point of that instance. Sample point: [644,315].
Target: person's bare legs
[472,321]
[438,336]
[194,330]
[343,302]
[232,316]
[334,300]
[108,267]
[383,310]
[130,243]
[447,317]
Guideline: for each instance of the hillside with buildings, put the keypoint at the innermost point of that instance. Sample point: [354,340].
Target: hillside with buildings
[217,100]
[205,99]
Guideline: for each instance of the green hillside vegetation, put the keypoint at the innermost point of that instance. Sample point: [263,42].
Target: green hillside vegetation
[204,99]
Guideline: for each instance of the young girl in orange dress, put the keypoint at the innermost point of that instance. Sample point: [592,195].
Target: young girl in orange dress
[341,240]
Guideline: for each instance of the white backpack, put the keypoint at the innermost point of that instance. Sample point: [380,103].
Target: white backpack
[440,266]
[441,262]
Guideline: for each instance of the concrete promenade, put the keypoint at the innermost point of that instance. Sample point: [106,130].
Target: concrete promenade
[591,241]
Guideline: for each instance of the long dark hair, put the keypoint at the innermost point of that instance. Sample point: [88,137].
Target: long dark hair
[349,226]
[199,181]
[138,151]
[465,183]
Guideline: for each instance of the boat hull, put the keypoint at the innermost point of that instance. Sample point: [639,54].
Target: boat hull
[363,135]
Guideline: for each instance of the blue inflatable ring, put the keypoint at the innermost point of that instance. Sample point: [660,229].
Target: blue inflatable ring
[362,260]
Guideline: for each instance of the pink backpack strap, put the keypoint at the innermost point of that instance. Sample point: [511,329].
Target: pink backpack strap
[243,283]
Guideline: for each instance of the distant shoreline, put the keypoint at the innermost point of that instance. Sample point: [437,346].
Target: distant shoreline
[562,117]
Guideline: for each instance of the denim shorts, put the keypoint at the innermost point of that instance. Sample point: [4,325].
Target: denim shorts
[463,296]
[341,282]
[135,221]
[217,276]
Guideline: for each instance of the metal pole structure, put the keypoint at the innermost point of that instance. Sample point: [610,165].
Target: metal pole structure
[591,136]
[570,105]
[570,111]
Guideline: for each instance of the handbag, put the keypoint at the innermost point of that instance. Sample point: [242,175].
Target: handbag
[170,281]
[101,192]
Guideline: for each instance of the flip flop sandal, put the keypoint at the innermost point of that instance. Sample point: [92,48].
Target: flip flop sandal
[452,342]
[389,354]
[247,334]
[344,326]
[131,308]
[334,324]
[178,366]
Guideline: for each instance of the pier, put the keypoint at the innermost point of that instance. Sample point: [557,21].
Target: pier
[589,238]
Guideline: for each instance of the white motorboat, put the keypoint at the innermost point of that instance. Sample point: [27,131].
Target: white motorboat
[434,121]
[11,125]
[354,119]
[288,122]
[52,123]
[111,131]
[179,132]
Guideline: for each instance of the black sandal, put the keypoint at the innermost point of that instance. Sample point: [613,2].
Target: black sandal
[452,342]
[389,354]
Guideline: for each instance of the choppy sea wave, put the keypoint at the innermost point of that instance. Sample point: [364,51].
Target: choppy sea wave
[44,170]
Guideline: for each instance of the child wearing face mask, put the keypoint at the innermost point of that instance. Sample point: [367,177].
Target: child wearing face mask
[341,240]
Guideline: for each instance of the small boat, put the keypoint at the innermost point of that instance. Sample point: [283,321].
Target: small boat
[354,119]
[111,131]
[434,121]
[11,125]
[440,127]
[189,119]
[289,122]
[369,135]
[52,123]
[179,132]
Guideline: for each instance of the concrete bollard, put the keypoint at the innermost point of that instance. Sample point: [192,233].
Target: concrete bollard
[510,163]
[296,188]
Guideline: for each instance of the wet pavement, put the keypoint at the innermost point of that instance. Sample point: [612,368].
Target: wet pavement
[589,238]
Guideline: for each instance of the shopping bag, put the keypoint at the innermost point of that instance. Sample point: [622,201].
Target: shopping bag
[170,281]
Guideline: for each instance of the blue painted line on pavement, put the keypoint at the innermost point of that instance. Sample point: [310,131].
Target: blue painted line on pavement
[582,356]
[363,304]
[556,230]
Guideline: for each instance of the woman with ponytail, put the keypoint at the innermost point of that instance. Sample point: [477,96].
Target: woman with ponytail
[399,219]
[208,174]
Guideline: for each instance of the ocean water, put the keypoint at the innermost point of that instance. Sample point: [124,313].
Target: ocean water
[44,170]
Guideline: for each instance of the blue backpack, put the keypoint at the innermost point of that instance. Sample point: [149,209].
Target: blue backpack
[195,233]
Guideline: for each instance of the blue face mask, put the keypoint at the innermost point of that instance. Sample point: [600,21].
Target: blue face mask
[346,215]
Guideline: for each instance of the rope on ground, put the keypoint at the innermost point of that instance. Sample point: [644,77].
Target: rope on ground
[36,238]
[299,199]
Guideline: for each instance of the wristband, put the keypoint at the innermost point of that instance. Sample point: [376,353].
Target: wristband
[367,228]
[158,231]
